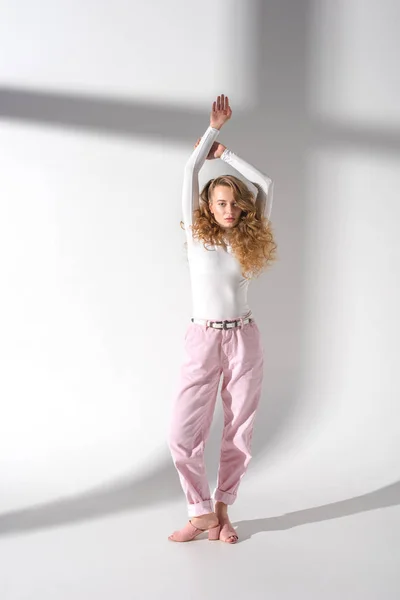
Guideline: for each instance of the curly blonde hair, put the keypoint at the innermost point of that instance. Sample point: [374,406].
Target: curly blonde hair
[252,240]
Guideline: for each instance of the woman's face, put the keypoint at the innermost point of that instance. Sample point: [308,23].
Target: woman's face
[224,208]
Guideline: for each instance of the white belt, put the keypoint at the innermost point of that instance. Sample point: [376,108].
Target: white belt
[228,324]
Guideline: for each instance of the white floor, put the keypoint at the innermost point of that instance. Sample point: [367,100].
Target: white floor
[311,553]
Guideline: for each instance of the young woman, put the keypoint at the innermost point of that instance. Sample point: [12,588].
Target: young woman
[229,241]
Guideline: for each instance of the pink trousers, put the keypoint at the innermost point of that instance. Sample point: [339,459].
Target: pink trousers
[238,354]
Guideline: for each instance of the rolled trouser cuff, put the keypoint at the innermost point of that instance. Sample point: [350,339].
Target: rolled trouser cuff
[200,508]
[225,497]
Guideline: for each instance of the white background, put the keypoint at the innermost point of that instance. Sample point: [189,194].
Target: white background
[100,105]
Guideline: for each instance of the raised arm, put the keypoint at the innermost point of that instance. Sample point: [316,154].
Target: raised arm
[220,113]
[263,188]
[190,191]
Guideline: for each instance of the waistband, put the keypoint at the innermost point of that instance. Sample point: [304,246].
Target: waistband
[227,324]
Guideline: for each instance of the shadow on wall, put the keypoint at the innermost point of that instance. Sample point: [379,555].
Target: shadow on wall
[115,497]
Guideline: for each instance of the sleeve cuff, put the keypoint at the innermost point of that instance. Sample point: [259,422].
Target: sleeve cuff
[225,154]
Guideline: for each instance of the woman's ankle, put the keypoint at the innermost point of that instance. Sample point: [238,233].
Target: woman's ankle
[221,508]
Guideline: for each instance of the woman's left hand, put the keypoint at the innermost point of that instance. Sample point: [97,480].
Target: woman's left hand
[216,150]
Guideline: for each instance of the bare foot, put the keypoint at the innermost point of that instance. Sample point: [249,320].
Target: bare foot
[227,533]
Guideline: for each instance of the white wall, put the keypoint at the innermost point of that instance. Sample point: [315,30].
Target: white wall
[171,52]
[94,287]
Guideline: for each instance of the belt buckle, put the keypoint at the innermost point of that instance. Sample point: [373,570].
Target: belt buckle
[224,325]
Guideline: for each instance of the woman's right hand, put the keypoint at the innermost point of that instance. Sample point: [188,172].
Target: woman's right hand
[221,112]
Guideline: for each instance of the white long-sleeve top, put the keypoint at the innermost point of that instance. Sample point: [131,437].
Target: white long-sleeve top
[219,290]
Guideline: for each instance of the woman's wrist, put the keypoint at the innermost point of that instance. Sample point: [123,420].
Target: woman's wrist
[222,149]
